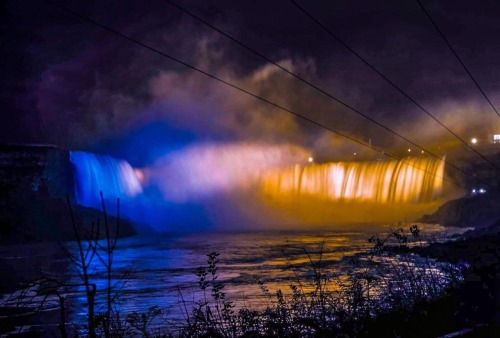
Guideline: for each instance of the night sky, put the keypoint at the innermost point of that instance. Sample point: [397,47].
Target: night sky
[70,83]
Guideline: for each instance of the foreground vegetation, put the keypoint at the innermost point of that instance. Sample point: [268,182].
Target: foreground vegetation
[383,295]
[324,305]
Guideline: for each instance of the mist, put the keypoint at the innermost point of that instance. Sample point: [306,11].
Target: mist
[82,88]
[105,88]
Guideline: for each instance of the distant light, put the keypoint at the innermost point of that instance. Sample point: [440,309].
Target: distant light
[139,174]
[355,154]
[482,191]
[473,140]
[409,150]
[422,151]
[473,191]
[310,159]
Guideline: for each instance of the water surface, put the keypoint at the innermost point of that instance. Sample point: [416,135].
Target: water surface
[160,270]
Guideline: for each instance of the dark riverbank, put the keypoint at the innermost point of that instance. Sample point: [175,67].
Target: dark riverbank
[21,265]
[35,218]
[470,310]
[35,180]
[473,210]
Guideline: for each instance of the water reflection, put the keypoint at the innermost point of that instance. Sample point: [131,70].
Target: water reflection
[161,270]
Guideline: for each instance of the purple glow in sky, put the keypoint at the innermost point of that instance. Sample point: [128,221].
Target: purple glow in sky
[73,84]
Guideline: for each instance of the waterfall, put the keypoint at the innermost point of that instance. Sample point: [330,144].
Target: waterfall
[414,180]
[95,173]
[283,193]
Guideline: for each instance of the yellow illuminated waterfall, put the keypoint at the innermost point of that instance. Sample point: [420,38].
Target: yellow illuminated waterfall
[411,180]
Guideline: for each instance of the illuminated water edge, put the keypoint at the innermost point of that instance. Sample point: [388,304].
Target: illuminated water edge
[161,271]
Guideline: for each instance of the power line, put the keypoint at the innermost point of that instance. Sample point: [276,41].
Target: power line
[295,75]
[319,23]
[131,39]
[187,65]
[329,95]
[440,32]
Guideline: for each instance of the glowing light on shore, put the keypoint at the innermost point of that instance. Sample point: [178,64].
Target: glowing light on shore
[139,174]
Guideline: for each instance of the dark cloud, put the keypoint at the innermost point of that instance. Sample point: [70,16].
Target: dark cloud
[70,83]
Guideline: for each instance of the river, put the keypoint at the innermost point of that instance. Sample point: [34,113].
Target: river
[160,270]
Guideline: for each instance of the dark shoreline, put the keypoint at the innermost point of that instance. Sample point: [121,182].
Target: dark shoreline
[470,310]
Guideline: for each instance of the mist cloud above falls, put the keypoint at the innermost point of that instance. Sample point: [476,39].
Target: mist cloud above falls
[104,88]
[201,171]
[82,110]
[213,110]
[72,84]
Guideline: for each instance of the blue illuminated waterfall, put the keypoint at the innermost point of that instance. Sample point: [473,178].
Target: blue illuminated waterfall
[95,173]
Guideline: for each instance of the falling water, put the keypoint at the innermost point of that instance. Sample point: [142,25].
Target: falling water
[95,173]
[410,180]
[306,194]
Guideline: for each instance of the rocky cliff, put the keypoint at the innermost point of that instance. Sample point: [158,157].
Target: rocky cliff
[480,210]
[34,183]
